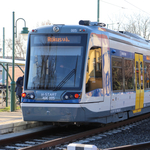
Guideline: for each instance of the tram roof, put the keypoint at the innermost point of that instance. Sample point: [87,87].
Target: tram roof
[9,61]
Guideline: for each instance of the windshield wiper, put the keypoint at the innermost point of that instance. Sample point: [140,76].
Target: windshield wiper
[61,84]
[75,71]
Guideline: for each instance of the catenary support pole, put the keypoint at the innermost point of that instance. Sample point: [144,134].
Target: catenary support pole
[98,16]
[3,71]
[7,87]
[13,70]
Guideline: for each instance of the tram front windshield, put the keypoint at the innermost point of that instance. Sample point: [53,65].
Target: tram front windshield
[56,61]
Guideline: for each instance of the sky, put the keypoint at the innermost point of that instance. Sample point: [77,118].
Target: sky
[64,12]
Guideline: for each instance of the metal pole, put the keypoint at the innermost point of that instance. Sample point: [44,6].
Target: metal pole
[7,88]
[13,70]
[98,18]
[3,72]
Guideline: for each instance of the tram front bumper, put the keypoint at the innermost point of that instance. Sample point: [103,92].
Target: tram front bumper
[52,112]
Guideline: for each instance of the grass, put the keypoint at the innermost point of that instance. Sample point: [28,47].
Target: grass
[7,109]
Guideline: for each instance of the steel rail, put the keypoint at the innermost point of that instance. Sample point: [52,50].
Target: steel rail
[81,135]
[24,136]
[138,146]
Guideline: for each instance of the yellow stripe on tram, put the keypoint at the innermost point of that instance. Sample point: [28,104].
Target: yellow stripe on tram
[139,82]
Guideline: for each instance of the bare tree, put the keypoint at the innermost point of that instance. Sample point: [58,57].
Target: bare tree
[1,46]
[20,47]
[44,23]
[116,22]
[138,24]
[135,23]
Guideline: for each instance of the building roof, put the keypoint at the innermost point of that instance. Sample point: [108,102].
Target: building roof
[9,61]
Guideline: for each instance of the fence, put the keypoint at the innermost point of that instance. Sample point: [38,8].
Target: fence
[3,96]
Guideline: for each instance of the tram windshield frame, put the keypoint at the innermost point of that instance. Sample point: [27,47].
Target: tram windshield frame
[56,61]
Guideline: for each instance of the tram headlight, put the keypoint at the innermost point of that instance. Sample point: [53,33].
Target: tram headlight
[66,96]
[30,95]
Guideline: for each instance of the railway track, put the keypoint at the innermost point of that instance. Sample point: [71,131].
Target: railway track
[139,146]
[53,143]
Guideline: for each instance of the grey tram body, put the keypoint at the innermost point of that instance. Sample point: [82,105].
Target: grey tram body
[100,105]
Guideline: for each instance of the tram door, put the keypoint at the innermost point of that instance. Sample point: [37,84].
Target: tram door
[139,82]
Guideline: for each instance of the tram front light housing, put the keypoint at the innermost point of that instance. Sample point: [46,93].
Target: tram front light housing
[71,95]
[30,95]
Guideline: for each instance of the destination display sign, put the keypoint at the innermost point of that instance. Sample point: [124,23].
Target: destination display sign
[64,39]
[55,39]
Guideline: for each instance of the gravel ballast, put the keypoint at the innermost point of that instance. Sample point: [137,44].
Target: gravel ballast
[131,134]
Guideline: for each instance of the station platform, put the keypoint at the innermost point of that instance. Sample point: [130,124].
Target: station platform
[11,122]
[9,117]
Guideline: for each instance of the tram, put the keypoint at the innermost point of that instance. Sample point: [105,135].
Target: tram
[85,73]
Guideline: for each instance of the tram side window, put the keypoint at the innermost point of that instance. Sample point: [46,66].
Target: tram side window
[129,78]
[117,75]
[94,70]
[147,75]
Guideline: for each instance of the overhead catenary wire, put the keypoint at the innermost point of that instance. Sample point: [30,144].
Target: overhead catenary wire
[136,7]
[126,7]
[114,5]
